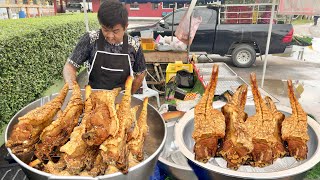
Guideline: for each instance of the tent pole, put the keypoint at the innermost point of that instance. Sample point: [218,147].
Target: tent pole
[172,24]
[268,42]
[86,21]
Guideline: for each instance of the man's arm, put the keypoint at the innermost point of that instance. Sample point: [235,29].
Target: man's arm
[69,74]
[137,81]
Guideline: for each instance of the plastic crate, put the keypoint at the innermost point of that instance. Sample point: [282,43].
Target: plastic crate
[187,67]
[172,69]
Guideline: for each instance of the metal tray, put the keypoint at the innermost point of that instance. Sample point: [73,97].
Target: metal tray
[205,69]
[232,83]
[226,83]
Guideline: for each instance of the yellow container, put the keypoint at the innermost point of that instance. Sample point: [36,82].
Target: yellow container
[172,69]
[148,46]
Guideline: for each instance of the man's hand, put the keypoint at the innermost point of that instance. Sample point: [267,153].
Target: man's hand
[137,82]
[69,74]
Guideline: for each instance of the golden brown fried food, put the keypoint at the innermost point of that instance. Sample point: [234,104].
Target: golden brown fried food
[263,128]
[76,146]
[295,128]
[278,148]
[136,143]
[78,155]
[209,123]
[99,167]
[58,132]
[114,149]
[237,144]
[103,120]
[134,131]
[26,133]
[55,168]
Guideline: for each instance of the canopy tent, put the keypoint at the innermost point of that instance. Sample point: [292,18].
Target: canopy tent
[164,1]
[299,7]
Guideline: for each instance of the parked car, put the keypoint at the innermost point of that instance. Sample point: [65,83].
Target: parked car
[74,8]
[242,42]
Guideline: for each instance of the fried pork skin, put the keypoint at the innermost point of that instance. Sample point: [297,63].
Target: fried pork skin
[295,128]
[237,144]
[209,123]
[26,133]
[58,132]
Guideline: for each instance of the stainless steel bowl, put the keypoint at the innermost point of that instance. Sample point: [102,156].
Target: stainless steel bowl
[212,170]
[176,168]
[154,144]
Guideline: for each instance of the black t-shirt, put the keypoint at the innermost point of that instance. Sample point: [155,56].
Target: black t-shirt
[87,46]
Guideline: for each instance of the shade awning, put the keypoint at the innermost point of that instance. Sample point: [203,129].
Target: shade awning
[299,7]
[165,1]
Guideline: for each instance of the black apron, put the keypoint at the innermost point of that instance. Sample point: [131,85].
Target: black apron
[109,70]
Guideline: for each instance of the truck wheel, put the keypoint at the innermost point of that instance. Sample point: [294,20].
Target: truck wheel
[243,55]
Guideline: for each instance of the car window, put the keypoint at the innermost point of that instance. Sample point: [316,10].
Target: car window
[205,13]
[74,5]
[177,17]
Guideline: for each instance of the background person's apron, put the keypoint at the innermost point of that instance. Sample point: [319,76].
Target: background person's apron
[110,70]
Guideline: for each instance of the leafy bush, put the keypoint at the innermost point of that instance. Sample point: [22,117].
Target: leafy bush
[32,55]
[301,40]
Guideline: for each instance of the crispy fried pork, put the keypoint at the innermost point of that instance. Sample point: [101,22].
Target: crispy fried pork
[78,155]
[138,137]
[263,128]
[99,167]
[209,123]
[103,120]
[76,146]
[58,132]
[237,144]
[134,131]
[56,168]
[114,149]
[295,128]
[26,133]
[278,148]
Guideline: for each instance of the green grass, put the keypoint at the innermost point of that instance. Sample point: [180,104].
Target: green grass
[55,88]
[301,21]
[314,173]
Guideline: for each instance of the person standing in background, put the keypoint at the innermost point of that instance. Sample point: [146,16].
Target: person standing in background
[315,19]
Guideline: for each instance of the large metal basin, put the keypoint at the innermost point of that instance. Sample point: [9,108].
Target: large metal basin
[174,168]
[212,170]
[154,144]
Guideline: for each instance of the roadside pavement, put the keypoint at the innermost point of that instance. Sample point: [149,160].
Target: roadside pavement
[307,30]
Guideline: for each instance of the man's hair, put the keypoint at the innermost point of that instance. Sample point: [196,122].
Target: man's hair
[111,13]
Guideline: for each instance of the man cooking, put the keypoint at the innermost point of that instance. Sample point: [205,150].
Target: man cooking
[110,54]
